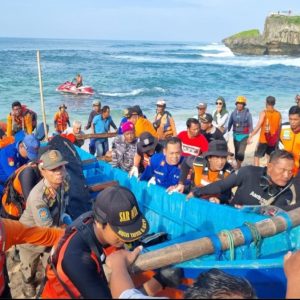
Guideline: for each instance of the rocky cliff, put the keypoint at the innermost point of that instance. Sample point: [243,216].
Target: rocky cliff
[281,36]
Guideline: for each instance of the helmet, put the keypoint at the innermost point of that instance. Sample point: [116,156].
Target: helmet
[241,99]
[161,102]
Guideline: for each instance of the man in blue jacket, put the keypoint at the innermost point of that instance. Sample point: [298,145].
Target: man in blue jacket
[15,155]
[164,168]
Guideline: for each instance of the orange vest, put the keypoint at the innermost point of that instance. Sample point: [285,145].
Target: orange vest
[58,284]
[291,142]
[13,202]
[61,120]
[204,176]
[271,123]
[2,259]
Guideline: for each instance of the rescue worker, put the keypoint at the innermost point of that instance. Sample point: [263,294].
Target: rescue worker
[290,135]
[17,189]
[164,168]
[210,167]
[124,148]
[17,154]
[45,206]
[15,233]
[20,118]
[193,142]
[271,185]
[269,124]
[141,124]
[61,119]
[163,122]
[147,146]
[240,121]
[79,257]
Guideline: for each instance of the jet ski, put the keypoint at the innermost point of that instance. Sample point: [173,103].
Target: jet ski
[70,87]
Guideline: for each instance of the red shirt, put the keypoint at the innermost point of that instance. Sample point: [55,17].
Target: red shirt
[193,146]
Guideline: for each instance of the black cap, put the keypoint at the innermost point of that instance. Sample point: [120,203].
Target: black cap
[118,207]
[207,118]
[217,148]
[147,142]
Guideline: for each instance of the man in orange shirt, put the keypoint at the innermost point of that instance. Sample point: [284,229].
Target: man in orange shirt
[15,233]
[141,124]
[269,125]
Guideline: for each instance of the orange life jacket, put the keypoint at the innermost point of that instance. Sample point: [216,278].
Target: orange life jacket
[291,143]
[204,176]
[6,140]
[2,259]
[58,284]
[13,202]
[271,125]
[61,119]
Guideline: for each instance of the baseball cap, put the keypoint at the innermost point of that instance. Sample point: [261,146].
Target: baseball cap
[132,111]
[127,126]
[161,102]
[201,105]
[32,145]
[118,207]
[51,159]
[207,118]
[147,142]
[96,103]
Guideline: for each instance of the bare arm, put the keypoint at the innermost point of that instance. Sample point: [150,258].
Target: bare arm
[259,124]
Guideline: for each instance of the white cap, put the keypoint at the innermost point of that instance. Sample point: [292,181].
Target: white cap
[161,102]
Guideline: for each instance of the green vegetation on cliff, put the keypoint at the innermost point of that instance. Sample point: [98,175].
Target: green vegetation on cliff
[287,19]
[246,34]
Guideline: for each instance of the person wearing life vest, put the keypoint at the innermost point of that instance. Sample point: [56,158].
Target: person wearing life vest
[45,206]
[75,269]
[17,154]
[20,118]
[163,122]
[208,168]
[17,189]
[15,233]
[290,135]
[240,121]
[61,119]
[269,124]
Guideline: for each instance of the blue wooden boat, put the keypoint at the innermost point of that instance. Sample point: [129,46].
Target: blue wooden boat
[187,220]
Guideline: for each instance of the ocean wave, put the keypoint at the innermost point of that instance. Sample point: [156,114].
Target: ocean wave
[135,92]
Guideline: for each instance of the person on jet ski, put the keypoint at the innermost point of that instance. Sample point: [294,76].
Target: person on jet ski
[79,80]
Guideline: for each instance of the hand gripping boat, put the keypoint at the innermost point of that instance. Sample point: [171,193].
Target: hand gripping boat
[70,87]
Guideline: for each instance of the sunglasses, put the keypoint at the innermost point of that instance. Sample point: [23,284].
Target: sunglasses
[240,103]
[219,103]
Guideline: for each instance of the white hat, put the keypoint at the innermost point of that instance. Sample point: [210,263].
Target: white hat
[161,102]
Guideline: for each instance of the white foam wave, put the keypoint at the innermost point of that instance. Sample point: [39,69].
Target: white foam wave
[227,59]
[134,92]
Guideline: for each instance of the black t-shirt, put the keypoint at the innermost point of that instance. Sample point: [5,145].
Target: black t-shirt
[251,189]
[215,134]
[82,269]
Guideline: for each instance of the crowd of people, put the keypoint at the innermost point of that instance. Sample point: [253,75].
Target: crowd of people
[34,189]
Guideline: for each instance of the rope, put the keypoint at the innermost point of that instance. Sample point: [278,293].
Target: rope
[230,238]
[256,237]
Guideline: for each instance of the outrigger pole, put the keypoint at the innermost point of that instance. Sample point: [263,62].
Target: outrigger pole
[41,94]
[178,253]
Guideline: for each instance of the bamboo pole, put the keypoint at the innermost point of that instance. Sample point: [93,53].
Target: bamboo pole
[41,94]
[185,251]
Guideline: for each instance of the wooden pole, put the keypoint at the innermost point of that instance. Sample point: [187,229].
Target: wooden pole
[41,94]
[95,135]
[185,251]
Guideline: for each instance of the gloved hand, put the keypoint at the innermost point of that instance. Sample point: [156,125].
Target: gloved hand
[151,181]
[133,172]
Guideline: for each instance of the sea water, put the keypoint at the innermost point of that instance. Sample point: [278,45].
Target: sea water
[125,73]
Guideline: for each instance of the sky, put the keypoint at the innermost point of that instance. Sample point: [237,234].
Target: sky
[147,20]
